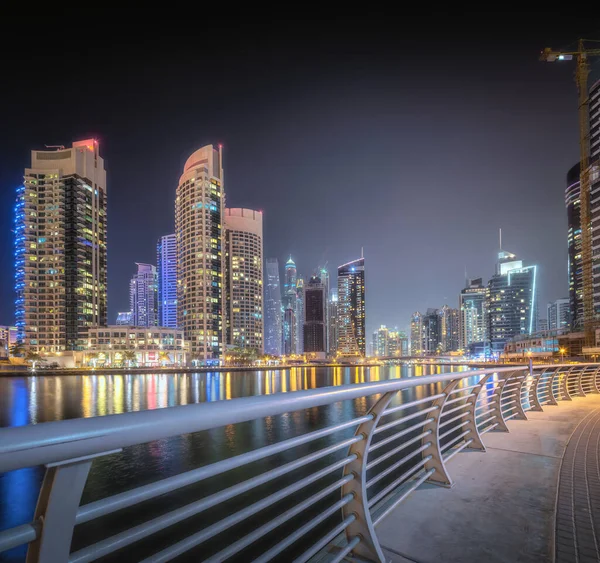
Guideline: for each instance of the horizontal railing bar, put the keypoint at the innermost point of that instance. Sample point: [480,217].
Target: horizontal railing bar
[502,407]
[453,429]
[399,480]
[405,406]
[108,505]
[454,440]
[494,408]
[342,554]
[450,421]
[393,423]
[323,542]
[459,389]
[507,418]
[297,534]
[226,523]
[49,442]
[455,409]
[389,454]
[458,450]
[491,427]
[487,420]
[487,405]
[461,398]
[394,437]
[395,465]
[145,529]
[404,495]
[16,536]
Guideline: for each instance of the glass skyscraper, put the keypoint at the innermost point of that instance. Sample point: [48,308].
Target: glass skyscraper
[273,312]
[143,296]
[289,308]
[60,248]
[315,318]
[573,203]
[472,316]
[351,308]
[166,261]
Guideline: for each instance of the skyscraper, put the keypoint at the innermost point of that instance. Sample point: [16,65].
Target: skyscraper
[289,331]
[472,315]
[289,308]
[432,332]
[143,296]
[558,314]
[299,316]
[351,308]
[124,318]
[510,301]
[199,216]
[314,329]
[244,280]
[324,275]
[60,248]
[273,312]
[166,254]
[417,346]
[397,343]
[381,341]
[332,321]
[575,271]
[450,332]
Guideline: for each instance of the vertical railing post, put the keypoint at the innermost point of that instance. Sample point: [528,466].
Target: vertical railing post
[497,397]
[533,391]
[596,384]
[368,548]
[477,443]
[565,386]
[553,400]
[580,390]
[517,394]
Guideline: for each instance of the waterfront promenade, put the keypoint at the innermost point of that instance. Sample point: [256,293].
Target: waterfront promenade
[503,504]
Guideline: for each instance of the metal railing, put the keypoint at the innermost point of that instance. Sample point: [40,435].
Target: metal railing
[323,499]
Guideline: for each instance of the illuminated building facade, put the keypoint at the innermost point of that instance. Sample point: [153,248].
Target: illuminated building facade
[124,318]
[417,346]
[575,272]
[289,331]
[273,313]
[244,278]
[432,332]
[510,301]
[199,216]
[289,308]
[558,315]
[60,248]
[332,322]
[166,266]
[472,315]
[397,343]
[381,341]
[449,318]
[351,308]
[315,325]
[143,296]
[299,316]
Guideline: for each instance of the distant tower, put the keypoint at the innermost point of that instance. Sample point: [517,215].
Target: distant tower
[314,329]
[558,314]
[143,293]
[60,248]
[575,271]
[472,324]
[332,322]
[417,346]
[273,314]
[244,279]
[166,261]
[351,308]
[124,318]
[289,308]
[450,329]
[199,227]
[299,316]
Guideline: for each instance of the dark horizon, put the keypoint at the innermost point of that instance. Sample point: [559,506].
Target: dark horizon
[344,135]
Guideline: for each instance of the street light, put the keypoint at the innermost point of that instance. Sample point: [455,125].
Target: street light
[562,354]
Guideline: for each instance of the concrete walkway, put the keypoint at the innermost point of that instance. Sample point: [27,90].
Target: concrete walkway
[503,505]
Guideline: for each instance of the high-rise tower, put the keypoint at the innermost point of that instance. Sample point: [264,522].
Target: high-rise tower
[315,325]
[244,278]
[199,215]
[166,262]
[289,308]
[472,315]
[575,271]
[60,248]
[351,308]
[299,316]
[273,311]
[143,296]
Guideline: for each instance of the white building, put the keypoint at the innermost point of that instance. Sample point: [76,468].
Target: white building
[143,296]
[558,314]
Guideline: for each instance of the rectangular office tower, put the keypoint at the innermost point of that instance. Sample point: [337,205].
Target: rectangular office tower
[60,247]
[472,316]
[143,293]
[166,265]
[315,326]
[273,314]
[351,308]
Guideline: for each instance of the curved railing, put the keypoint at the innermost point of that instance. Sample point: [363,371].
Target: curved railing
[319,493]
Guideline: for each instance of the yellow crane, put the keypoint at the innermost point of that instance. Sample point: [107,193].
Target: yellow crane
[582,55]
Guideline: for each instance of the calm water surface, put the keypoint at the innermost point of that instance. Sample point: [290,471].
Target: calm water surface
[38,399]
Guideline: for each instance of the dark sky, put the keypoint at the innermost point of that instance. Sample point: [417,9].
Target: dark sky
[415,139]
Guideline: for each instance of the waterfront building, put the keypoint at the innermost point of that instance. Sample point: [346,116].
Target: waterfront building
[542,344]
[119,345]
[558,314]
[332,322]
[432,332]
[381,341]
[450,329]
[351,308]
[575,272]
[397,343]
[542,325]
[166,266]
[314,330]
[125,318]
[244,278]
[199,220]
[60,248]
[143,296]
[299,316]
[510,301]
[273,312]
[417,346]
[8,338]
[472,315]
[289,308]
[324,275]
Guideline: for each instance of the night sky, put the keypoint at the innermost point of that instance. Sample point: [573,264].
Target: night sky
[416,141]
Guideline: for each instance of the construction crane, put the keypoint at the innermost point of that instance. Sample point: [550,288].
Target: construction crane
[582,70]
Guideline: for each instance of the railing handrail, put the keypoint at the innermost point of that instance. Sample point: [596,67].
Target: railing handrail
[52,442]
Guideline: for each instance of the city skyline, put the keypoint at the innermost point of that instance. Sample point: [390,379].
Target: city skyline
[380,137]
